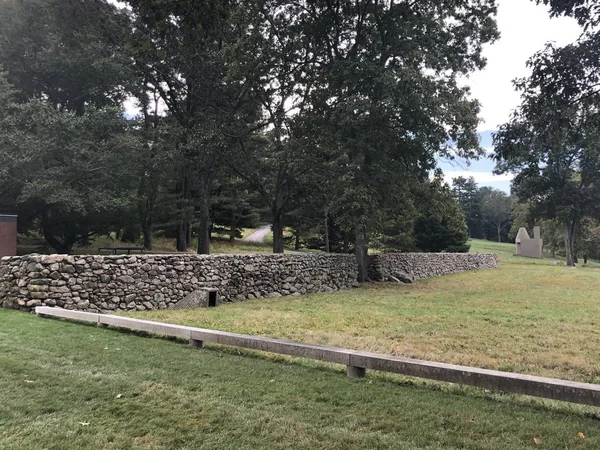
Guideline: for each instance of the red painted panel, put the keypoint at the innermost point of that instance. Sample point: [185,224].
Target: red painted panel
[8,236]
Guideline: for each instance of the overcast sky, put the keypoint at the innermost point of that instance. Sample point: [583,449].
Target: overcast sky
[524,27]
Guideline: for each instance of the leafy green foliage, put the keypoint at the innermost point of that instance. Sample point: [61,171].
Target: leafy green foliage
[65,171]
[552,141]
[496,211]
[390,101]
[586,12]
[441,225]
[234,207]
[469,198]
[68,52]
[333,116]
[551,145]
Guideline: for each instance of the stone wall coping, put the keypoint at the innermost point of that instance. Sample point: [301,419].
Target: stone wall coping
[186,255]
[394,252]
[356,361]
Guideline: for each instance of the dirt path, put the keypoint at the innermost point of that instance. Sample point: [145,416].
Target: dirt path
[259,235]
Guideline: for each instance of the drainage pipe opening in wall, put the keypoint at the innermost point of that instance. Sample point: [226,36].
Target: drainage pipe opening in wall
[212,298]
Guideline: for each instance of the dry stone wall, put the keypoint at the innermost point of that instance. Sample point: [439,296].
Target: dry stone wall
[146,282]
[423,265]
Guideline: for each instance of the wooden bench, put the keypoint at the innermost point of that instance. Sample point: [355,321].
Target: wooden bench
[122,249]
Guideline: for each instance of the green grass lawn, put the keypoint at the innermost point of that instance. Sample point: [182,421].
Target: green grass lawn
[71,386]
[506,254]
[161,246]
[528,316]
[219,244]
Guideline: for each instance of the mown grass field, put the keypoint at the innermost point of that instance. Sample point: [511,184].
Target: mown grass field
[71,386]
[529,316]
[161,245]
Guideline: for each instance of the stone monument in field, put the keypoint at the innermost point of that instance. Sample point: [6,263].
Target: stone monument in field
[529,247]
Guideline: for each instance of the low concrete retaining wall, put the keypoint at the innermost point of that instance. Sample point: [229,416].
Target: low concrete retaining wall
[424,265]
[147,282]
[356,362]
[141,282]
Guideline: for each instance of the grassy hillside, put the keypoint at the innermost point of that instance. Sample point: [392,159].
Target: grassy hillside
[506,252]
[530,316]
[161,245]
[71,386]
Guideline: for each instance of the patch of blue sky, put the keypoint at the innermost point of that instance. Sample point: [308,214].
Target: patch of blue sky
[481,169]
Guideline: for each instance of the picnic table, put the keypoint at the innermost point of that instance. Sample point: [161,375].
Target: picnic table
[128,249]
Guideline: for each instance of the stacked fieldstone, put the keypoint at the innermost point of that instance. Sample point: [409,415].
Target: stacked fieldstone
[146,282]
[422,265]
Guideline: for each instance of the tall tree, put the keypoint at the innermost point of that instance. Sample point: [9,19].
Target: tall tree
[278,61]
[234,206]
[557,125]
[552,145]
[389,92]
[469,198]
[440,225]
[65,58]
[496,209]
[70,53]
[182,48]
[65,171]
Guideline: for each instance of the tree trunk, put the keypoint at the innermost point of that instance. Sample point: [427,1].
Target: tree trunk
[277,209]
[499,239]
[327,245]
[181,237]
[204,214]
[146,210]
[85,240]
[188,234]
[569,229]
[147,228]
[189,216]
[63,248]
[361,252]
[277,231]
[147,197]
[346,247]
[297,243]
[232,227]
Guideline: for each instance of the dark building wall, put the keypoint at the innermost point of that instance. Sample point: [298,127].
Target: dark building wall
[8,235]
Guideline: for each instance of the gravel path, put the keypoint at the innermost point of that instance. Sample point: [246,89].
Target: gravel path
[259,235]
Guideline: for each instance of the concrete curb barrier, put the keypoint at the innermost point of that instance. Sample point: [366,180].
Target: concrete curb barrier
[356,362]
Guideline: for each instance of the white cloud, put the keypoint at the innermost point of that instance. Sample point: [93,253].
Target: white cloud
[525,27]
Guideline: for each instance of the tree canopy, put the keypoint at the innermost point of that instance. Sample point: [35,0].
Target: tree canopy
[551,142]
[324,117]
